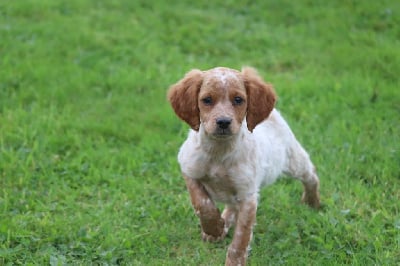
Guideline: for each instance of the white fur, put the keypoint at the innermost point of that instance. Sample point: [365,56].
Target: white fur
[235,169]
[224,76]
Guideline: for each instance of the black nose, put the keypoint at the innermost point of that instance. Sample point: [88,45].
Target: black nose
[224,122]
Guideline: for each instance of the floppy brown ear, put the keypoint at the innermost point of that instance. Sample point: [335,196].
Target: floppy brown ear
[260,97]
[183,98]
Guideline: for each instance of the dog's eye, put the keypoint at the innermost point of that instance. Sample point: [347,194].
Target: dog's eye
[237,100]
[207,101]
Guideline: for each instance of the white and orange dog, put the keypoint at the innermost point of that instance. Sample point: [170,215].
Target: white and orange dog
[238,143]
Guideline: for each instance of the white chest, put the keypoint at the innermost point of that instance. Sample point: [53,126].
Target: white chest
[227,179]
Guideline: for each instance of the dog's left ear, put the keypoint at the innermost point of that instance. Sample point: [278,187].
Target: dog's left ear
[261,97]
[183,98]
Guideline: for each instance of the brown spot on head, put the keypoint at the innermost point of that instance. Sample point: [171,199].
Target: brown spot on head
[222,102]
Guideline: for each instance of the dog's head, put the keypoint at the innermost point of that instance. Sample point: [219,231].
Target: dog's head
[221,98]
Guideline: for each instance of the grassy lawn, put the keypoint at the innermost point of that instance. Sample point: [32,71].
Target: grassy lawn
[88,142]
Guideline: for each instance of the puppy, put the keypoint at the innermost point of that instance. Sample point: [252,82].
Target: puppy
[237,144]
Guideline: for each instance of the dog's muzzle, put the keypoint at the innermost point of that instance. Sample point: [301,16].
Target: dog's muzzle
[223,122]
[223,127]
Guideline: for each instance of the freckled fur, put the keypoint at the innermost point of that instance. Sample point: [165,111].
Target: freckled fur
[230,165]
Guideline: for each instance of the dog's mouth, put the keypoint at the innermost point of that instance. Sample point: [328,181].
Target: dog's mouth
[222,133]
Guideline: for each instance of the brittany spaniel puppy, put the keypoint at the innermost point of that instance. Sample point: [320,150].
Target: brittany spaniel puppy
[238,143]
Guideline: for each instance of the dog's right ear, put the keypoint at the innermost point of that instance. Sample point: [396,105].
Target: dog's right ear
[183,98]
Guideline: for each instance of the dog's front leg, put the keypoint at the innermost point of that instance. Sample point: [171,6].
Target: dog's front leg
[246,218]
[212,225]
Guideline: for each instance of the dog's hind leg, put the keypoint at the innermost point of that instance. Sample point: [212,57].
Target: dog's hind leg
[301,167]
[311,189]
[212,225]
[229,216]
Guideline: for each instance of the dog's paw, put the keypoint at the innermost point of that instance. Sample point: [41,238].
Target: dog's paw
[211,238]
[235,257]
[311,200]
[213,230]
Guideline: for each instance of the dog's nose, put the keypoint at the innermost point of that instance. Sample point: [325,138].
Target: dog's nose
[224,122]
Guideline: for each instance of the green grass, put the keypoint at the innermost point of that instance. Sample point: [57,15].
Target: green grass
[88,142]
